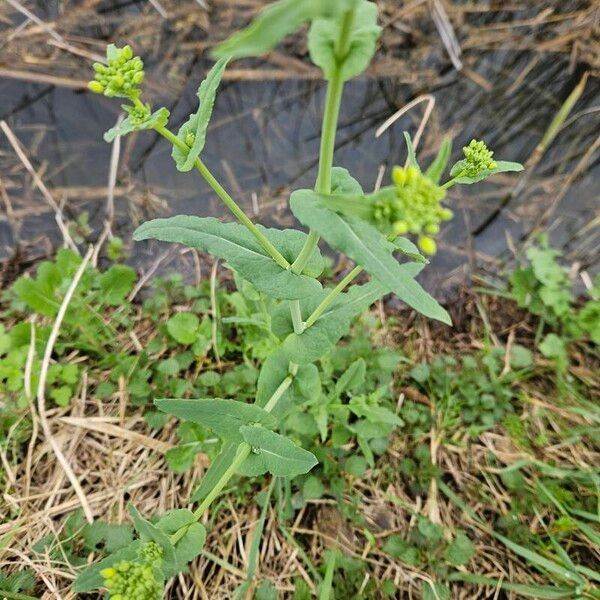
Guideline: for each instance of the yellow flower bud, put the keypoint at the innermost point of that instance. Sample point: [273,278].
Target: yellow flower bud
[399,176]
[427,245]
[108,573]
[96,87]
[432,228]
[400,227]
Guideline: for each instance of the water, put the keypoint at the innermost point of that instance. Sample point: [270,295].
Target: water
[263,141]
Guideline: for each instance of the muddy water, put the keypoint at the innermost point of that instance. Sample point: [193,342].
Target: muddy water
[263,142]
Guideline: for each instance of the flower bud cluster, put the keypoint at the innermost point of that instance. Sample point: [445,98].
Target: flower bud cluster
[135,580]
[121,76]
[415,207]
[477,159]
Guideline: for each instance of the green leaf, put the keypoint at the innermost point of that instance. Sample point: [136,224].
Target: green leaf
[407,248]
[440,162]
[272,373]
[277,454]
[502,166]
[90,579]
[323,41]
[157,119]
[366,246]
[196,126]
[223,416]
[332,325]
[273,23]
[460,551]
[113,536]
[191,544]
[235,244]
[115,284]
[219,465]
[183,327]
[312,488]
[412,155]
[149,532]
[343,183]
[434,591]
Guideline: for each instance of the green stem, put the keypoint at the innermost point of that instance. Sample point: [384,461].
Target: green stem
[333,100]
[243,451]
[333,294]
[227,199]
[297,321]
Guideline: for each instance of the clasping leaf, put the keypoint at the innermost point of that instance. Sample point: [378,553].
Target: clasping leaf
[193,132]
[274,453]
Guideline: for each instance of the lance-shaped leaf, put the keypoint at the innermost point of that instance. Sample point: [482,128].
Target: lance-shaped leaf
[502,166]
[333,324]
[277,454]
[412,155]
[361,242]
[440,162]
[129,124]
[235,244]
[326,31]
[274,22]
[193,132]
[223,416]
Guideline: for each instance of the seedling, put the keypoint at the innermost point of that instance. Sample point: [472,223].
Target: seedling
[282,265]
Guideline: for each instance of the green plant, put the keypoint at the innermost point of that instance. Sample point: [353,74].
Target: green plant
[284,266]
[543,287]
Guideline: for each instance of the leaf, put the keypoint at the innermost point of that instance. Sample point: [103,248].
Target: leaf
[352,377]
[223,416]
[440,162]
[90,579]
[343,183]
[460,550]
[183,327]
[278,454]
[151,533]
[219,465]
[312,488]
[409,249]
[434,591]
[116,283]
[366,246]
[332,325]
[502,166]
[235,244]
[191,544]
[197,124]
[412,156]
[272,373]
[157,119]
[113,536]
[323,42]
[273,23]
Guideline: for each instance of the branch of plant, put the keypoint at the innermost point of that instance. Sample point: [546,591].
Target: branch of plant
[333,99]
[243,451]
[227,199]
[333,294]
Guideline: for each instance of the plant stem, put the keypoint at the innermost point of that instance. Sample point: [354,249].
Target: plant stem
[241,455]
[297,321]
[333,99]
[333,294]
[227,199]
[243,451]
